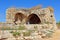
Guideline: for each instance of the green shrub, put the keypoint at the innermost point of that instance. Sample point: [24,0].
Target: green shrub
[11,31]
[15,33]
[27,33]
[21,28]
[47,22]
[35,27]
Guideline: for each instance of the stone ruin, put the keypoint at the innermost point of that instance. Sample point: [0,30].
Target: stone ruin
[42,18]
[35,15]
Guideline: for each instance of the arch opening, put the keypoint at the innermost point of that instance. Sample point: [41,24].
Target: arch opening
[33,19]
[18,16]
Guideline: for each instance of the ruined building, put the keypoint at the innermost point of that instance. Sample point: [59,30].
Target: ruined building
[30,16]
[41,20]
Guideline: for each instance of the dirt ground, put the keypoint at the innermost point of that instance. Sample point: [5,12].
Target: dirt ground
[55,36]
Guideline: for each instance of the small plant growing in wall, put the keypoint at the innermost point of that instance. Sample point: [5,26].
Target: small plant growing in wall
[15,34]
[35,27]
[27,33]
[21,27]
[47,22]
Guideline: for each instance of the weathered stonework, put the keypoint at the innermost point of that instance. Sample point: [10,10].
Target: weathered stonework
[45,15]
[46,20]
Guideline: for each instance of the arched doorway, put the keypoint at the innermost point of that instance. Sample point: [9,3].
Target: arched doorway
[33,19]
[19,16]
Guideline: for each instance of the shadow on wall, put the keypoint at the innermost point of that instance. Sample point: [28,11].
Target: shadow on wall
[31,19]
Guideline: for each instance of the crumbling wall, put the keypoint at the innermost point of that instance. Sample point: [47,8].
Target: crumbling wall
[43,14]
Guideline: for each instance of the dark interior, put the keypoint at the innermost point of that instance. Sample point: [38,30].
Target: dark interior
[33,19]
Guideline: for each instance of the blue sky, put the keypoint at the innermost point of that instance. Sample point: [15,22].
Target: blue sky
[4,4]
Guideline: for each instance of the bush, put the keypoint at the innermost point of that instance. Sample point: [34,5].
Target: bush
[27,33]
[21,28]
[15,33]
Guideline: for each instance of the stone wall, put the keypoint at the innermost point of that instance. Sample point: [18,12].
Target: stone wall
[44,14]
[47,25]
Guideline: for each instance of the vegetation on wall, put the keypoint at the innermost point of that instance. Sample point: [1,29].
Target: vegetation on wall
[21,27]
[6,28]
[27,33]
[14,28]
[15,34]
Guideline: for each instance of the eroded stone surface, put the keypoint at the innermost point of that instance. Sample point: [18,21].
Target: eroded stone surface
[43,29]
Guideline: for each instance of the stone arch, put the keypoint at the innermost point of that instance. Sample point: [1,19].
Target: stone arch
[33,19]
[18,16]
